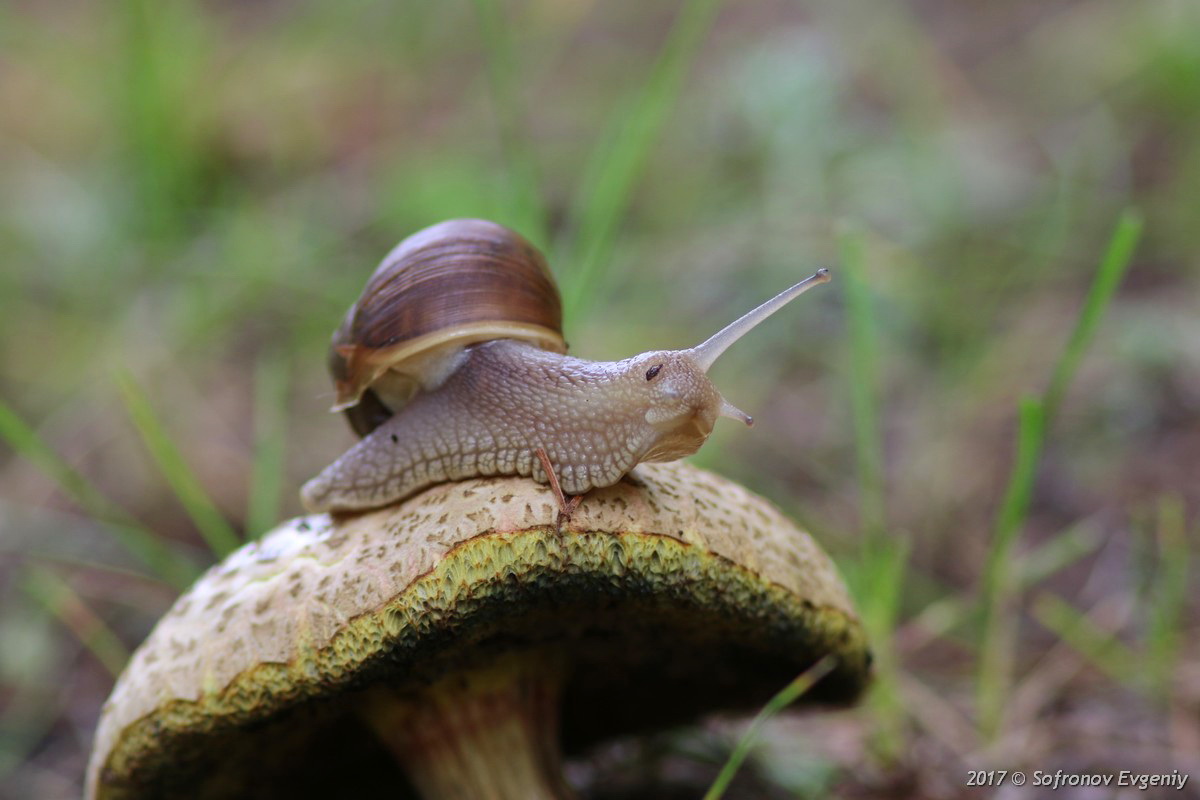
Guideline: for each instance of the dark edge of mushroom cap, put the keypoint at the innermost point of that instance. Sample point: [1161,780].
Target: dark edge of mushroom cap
[673,595]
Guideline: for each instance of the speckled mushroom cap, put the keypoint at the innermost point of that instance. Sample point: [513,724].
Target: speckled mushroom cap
[673,594]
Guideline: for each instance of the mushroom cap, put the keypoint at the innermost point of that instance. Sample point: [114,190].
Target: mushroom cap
[673,594]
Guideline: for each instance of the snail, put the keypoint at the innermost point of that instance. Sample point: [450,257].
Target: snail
[452,365]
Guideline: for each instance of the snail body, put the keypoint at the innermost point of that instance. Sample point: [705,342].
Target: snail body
[508,399]
[480,406]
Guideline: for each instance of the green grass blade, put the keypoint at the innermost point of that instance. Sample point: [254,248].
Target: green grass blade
[141,543]
[864,389]
[619,157]
[881,604]
[526,211]
[208,520]
[999,639]
[883,559]
[1169,595]
[788,695]
[1015,505]
[266,472]
[57,597]
[1058,552]
[1112,269]
[157,49]
[1068,547]
[1099,646]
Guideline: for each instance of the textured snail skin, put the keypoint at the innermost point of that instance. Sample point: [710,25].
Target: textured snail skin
[595,420]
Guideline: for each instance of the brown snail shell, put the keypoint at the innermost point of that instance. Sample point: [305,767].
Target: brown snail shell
[451,285]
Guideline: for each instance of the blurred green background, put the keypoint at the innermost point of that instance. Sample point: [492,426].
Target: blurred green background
[992,425]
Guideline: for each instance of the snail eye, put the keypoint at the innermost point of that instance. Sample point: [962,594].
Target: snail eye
[650,373]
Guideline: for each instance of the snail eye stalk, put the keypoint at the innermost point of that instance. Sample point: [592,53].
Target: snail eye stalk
[706,353]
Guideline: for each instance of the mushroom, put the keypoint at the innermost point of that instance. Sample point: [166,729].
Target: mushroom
[465,629]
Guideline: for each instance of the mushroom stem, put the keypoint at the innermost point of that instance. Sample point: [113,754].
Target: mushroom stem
[490,732]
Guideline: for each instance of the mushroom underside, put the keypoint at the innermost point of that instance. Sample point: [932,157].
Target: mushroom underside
[672,631]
